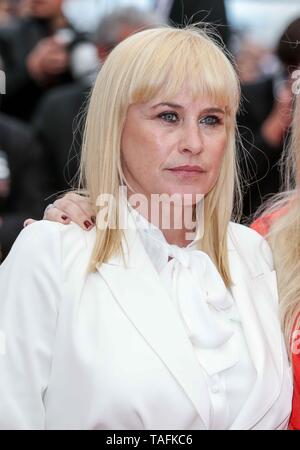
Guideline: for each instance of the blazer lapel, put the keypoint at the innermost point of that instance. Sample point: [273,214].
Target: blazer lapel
[140,293]
[253,295]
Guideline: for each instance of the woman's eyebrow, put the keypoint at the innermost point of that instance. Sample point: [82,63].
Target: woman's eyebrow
[213,110]
[169,105]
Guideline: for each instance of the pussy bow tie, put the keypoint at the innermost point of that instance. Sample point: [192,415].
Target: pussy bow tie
[201,295]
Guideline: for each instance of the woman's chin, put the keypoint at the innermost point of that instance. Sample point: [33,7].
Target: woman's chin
[186,191]
[181,197]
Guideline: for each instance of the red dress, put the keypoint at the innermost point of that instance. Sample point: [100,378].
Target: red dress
[295,417]
[262,226]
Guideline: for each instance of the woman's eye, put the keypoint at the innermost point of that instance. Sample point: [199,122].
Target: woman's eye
[169,116]
[211,120]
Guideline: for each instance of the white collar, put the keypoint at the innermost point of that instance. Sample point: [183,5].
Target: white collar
[154,241]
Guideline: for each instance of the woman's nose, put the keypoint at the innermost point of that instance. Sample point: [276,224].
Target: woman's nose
[192,139]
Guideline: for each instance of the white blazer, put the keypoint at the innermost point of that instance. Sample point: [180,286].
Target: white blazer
[108,350]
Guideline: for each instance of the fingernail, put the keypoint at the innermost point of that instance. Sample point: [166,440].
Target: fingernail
[64,217]
[93,219]
[87,224]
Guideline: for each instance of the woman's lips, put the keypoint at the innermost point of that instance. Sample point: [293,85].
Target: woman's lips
[187,170]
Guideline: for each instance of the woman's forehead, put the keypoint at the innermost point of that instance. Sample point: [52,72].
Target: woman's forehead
[187,93]
[186,98]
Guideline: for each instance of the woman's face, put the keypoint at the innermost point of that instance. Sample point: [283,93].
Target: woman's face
[173,146]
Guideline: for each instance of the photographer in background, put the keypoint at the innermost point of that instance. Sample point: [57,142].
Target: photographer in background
[265,121]
[40,55]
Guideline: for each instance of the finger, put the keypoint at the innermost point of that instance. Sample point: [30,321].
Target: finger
[57,61]
[55,215]
[49,44]
[55,70]
[28,222]
[73,211]
[82,202]
[55,65]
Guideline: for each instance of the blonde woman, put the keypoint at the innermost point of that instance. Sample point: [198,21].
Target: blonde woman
[281,224]
[147,326]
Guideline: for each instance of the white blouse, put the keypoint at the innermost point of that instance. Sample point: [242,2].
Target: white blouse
[210,318]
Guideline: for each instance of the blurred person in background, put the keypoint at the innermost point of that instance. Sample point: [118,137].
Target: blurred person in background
[58,118]
[21,179]
[181,12]
[23,8]
[264,123]
[39,52]
[247,61]
[254,61]
[11,10]
[5,12]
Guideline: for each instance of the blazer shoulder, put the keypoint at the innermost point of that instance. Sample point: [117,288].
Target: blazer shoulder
[77,246]
[251,246]
[36,240]
[50,256]
[44,241]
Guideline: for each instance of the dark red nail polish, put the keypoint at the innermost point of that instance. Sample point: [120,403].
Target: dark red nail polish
[64,217]
[87,224]
[93,219]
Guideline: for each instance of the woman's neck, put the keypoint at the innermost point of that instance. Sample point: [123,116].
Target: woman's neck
[176,237]
[176,222]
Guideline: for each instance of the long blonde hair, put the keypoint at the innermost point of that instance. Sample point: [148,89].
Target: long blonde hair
[148,62]
[284,234]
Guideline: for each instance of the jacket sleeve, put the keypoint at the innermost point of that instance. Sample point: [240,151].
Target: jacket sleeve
[30,292]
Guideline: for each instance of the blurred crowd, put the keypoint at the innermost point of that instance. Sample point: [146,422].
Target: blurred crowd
[50,67]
